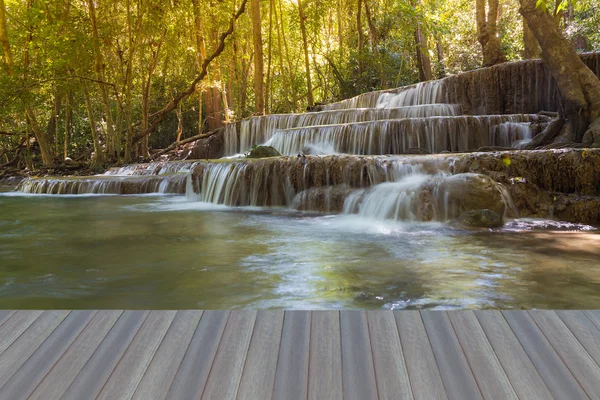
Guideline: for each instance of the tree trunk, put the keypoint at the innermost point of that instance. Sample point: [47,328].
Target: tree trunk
[269,60]
[487,32]
[361,37]
[532,47]
[98,155]
[259,74]
[423,61]
[67,126]
[200,56]
[112,139]
[42,139]
[8,60]
[578,85]
[440,58]
[309,94]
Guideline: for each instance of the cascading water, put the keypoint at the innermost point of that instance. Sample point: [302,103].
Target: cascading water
[513,134]
[434,134]
[257,130]
[422,93]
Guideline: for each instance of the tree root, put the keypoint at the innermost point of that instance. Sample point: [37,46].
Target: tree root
[547,135]
[591,138]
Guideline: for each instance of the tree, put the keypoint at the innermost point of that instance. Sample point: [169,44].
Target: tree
[259,91]
[530,44]
[487,32]
[578,85]
[309,94]
[4,37]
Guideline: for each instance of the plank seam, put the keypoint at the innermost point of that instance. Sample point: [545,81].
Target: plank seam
[12,312]
[491,347]
[527,354]
[523,348]
[184,354]
[434,356]
[24,329]
[575,336]
[586,312]
[310,346]
[40,345]
[63,353]
[153,354]
[279,352]
[93,354]
[341,350]
[410,385]
[237,392]
[216,354]
[118,362]
[465,355]
[558,354]
[372,355]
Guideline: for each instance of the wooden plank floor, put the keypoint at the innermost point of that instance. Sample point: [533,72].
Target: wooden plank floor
[111,354]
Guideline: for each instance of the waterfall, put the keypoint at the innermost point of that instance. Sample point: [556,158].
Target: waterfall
[154,168]
[166,184]
[258,130]
[513,134]
[434,134]
[422,93]
[429,92]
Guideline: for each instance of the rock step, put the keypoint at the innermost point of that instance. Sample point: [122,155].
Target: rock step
[240,136]
[520,87]
[431,134]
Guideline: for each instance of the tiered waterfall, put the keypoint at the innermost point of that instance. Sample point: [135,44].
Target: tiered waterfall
[405,154]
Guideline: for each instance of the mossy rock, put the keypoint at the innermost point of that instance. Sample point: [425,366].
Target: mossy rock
[481,219]
[263,152]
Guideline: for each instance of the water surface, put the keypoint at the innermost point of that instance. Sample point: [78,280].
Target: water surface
[164,252]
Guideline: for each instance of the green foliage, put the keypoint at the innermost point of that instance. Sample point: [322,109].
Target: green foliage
[54,54]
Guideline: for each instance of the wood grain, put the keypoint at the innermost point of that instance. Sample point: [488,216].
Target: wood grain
[12,328]
[28,342]
[258,377]
[93,375]
[390,369]
[523,375]
[553,371]
[192,374]
[125,377]
[325,359]
[454,368]
[62,374]
[572,353]
[226,372]
[160,374]
[487,369]
[291,376]
[26,378]
[584,330]
[357,360]
[425,379]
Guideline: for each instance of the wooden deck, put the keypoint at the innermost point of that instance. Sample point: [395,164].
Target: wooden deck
[299,354]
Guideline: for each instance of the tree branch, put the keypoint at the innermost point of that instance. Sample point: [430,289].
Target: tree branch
[172,105]
[188,140]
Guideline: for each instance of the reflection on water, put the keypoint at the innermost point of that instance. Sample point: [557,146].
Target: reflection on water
[164,252]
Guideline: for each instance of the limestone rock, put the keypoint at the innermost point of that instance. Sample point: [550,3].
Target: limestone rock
[481,219]
[466,192]
[263,152]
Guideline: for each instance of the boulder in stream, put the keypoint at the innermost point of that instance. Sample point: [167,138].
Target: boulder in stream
[466,192]
[263,152]
[481,219]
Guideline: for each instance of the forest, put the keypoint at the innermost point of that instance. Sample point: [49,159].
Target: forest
[112,81]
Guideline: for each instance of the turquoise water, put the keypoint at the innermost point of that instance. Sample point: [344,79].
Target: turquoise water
[164,252]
